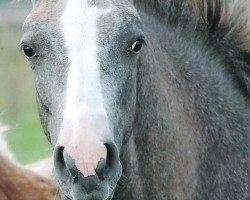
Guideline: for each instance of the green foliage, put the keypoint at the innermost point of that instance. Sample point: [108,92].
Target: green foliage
[17,102]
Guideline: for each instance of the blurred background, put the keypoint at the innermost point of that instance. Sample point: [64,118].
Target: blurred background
[17,101]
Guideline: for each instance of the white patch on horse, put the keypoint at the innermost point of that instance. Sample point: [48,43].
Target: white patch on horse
[85,123]
[4,147]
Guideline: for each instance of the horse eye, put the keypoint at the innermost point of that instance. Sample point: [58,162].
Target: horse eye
[28,51]
[136,46]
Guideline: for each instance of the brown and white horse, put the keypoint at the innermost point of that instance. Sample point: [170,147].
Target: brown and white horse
[24,182]
[144,99]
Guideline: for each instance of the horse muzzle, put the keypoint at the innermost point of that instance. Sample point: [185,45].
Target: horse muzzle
[75,185]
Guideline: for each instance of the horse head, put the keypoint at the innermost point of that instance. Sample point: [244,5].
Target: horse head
[143,99]
[84,57]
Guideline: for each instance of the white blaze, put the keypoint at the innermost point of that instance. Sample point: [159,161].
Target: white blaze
[85,117]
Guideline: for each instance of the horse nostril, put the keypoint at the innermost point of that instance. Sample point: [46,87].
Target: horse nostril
[112,155]
[70,164]
[58,158]
[64,162]
[105,167]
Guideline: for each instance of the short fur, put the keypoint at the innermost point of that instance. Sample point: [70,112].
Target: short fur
[19,183]
[223,24]
[179,109]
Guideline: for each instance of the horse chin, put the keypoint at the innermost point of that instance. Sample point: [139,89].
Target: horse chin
[77,192]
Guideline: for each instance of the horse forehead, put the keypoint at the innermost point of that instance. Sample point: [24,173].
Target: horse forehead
[44,11]
[53,9]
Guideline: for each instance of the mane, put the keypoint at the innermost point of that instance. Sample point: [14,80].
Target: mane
[223,25]
[4,148]
[225,20]
[228,16]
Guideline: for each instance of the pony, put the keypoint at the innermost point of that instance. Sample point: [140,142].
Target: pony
[19,182]
[144,99]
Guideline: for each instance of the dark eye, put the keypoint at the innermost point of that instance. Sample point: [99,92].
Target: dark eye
[28,51]
[136,46]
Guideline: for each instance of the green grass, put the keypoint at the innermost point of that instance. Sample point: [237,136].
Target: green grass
[17,102]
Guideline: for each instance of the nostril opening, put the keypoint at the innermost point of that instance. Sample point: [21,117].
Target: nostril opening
[112,155]
[106,166]
[64,163]
[59,158]
[61,170]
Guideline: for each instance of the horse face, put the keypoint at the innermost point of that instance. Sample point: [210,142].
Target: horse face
[84,58]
